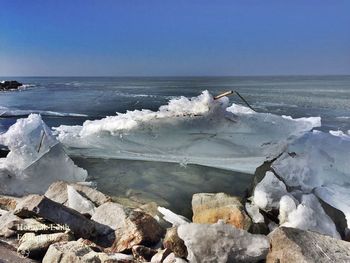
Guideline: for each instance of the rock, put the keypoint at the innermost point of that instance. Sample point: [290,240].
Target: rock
[130,227]
[32,225]
[75,251]
[8,202]
[294,245]
[222,243]
[161,255]
[142,253]
[171,217]
[58,193]
[209,208]
[9,255]
[8,223]
[10,85]
[36,205]
[37,245]
[67,252]
[173,242]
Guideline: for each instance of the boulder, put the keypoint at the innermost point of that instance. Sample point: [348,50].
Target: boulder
[130,227]
[222,243]
[173,259]
[37,245]
[10,85]
[289,245]
[58,193]
[209,208]
[8,254]
[142,253]
[36,205]
[174,243]
[8,223]
[75,251]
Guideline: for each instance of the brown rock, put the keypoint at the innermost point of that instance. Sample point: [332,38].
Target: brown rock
[209,208]
[130,227]
[8,254]
[173,242]
[36,205]
[8,202]
[289,245]
[142,253]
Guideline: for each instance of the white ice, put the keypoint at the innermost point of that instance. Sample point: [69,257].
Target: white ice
[200,130]
[171,217]
[79,203]
[36,159]
[319,162]
[220,243]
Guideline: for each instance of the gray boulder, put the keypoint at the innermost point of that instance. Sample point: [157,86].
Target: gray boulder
[289,245]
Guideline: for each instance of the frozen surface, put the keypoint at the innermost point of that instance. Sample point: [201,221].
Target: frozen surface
[219,243]
[319,162]
[254,213]
[200,130]
[268,192]
[36,159]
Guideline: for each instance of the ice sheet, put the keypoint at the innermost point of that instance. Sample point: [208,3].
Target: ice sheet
[200,130]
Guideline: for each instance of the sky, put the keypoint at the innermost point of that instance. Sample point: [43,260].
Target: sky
[174,38]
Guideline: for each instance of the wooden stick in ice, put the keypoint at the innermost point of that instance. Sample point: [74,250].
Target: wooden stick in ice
[227,93]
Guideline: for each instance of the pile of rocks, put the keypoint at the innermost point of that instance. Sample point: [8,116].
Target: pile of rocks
[9,85]
[76,223]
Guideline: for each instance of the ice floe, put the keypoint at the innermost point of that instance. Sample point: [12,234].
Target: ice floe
[199,130]
[36,159]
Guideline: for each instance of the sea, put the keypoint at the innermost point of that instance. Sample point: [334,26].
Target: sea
[73,100]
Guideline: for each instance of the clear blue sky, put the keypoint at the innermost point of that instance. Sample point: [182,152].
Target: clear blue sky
[180,37]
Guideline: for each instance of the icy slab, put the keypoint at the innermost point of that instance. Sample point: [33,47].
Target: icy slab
[222,243]
[309,215]
[77,202]
[254,213]
[268,192]
[36,159]
[171,217]
[199,130]
[319,162]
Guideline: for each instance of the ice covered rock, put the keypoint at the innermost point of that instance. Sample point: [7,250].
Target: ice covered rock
[294,245]
[209,208]
[320,163]
[268,192]
[36,159]
[58,192]
[309,215]
[286,207]
[161,256]
[222,243]
[129,227]
[77,202]
[8,222]
[199,130]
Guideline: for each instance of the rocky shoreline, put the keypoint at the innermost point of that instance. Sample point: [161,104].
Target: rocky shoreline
[77,223]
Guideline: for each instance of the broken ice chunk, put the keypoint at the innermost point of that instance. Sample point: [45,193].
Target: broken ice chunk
[36,159]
